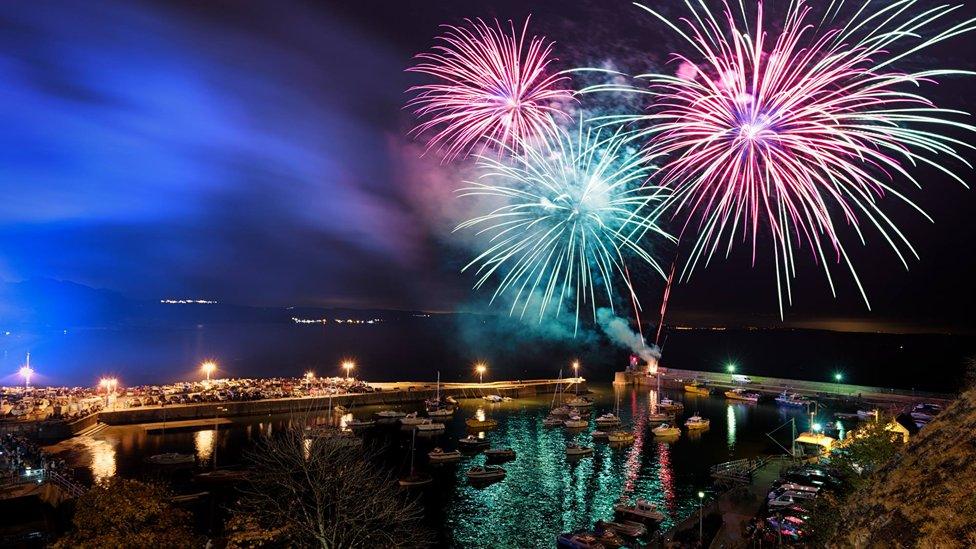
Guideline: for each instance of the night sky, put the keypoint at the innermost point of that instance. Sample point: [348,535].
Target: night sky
[256,153]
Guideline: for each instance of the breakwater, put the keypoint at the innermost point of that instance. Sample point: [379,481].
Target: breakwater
[387,394]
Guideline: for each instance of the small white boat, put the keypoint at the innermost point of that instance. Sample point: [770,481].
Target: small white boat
[475,423]
[669,405]
[485,474]
[696,422]
[171,459]
[428,426]
[441,412]
[561,411]
[579,402]
[493,398]
[439,455]
[360,423]
[658,417]
[575,450]
[621,437]
[390,414]
[412,419]
[472,442]
[578,540]
[600,435]
[414,478]
[868,414]
[793,399]
[608,420]
[666,430]
[553,422]
[641,510]
[576,422]
[500,454]
[627,528]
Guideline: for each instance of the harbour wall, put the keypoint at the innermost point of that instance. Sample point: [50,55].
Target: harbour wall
[388,394]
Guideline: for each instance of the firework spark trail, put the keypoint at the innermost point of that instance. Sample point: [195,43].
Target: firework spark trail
[575,210]
[492,87]
[796,131]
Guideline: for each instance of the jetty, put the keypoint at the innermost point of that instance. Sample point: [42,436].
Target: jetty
[674,378]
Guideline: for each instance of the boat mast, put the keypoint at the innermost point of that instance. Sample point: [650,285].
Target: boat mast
[558,386]
[413,441]
[438,397]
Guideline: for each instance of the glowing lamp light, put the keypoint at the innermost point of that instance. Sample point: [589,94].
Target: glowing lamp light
[838,377]
[481,369]
[816,427]
[348,365]
[309,375]
[208,368]
[730,367]
[26,372]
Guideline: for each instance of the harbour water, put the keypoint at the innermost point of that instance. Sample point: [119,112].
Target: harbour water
[543,494]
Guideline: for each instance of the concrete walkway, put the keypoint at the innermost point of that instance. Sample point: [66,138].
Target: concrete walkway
[741,503]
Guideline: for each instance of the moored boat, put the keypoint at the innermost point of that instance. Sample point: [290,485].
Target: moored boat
[658,417]
[500,454]
[390,414]
[475,423]
[696,422]
[793,399]
[621,437]
[578,540]
[412,419]
[625,528]
[171,459]
[428,426]
[666,430]
[552,421]
[608,420]
[485,474]
[668,405]
[576,422]
[698,387]
[360,423]
[439,455]
[579,402]
[472,442]
[741,394]
[575,450]
[600,435]
[641,510]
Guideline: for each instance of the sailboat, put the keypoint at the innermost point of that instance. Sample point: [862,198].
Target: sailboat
[610,419]
[658,413]
[437,408]
[414,478]
[618,436]
[554,418]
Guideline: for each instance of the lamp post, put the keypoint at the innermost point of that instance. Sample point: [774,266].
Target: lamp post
[348,365]
[838,378]
[480,368]
[576,366]
[208,368]
[701,498]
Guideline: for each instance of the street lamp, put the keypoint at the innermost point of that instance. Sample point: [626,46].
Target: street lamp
[348,365]
[730,367]
[480,368]
[701,497]
[208,368]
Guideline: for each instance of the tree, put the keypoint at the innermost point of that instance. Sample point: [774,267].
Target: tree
[127,513]
[866,450]
[322,492]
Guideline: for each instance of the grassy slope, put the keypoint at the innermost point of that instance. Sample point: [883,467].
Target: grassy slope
[927,497]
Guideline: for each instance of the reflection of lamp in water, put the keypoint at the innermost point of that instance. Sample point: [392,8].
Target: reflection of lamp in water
[203,442]
[576,374]
[701,497]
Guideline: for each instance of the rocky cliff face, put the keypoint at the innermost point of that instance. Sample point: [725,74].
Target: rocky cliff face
[926,497]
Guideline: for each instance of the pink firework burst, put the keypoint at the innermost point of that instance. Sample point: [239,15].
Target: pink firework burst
[800,130]
[492,86]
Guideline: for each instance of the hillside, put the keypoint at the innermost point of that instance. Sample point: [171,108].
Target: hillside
[927,498]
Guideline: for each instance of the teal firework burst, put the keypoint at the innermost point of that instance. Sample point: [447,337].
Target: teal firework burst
[569,215]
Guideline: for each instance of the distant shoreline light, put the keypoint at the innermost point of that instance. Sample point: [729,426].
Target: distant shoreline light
[188,301]
[297,320]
